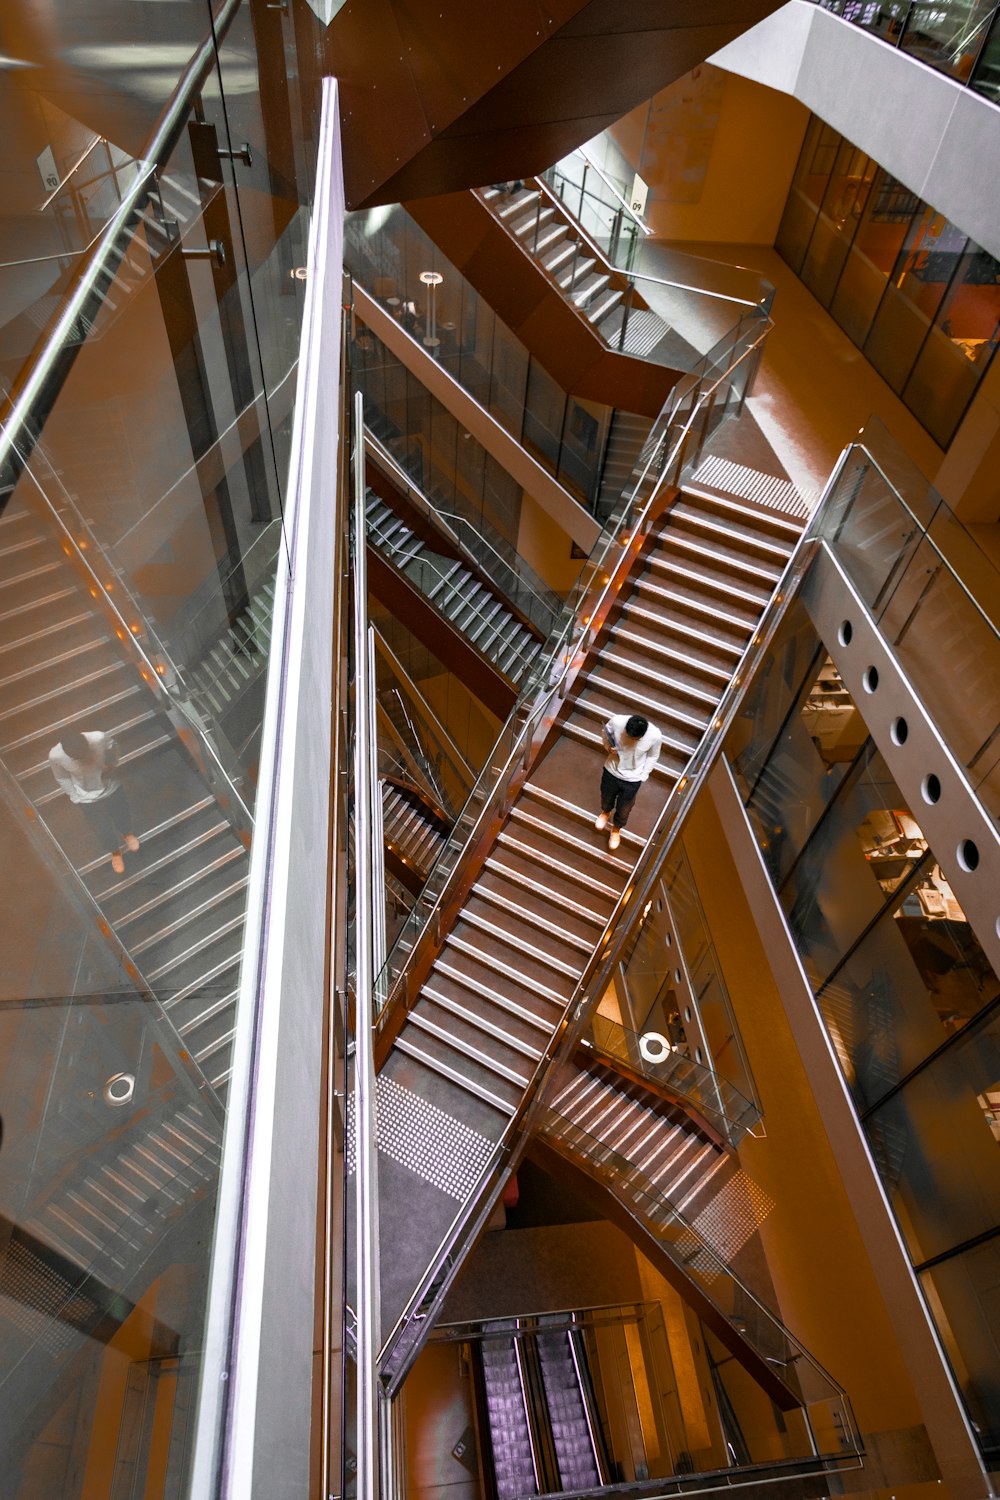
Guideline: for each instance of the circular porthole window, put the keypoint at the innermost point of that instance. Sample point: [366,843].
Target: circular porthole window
[930,789]
[967,855]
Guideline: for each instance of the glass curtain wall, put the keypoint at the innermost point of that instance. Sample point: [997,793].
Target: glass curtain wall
[913,292]
[136,555]
[908,996]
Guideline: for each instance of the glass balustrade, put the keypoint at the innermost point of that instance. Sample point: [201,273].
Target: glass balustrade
[137,552]
[817,1417]
[399,265]
[957,37]
[932,590]
[668,309]
[487,550]
[665,1065]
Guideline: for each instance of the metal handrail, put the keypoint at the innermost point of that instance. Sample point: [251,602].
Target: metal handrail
[606,951]
[625,204]
[25,412]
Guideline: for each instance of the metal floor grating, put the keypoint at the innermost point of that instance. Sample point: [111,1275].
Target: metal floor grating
[750,484]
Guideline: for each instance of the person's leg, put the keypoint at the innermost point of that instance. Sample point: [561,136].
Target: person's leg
[100,816]
[120,815]
[609,791]
[627,793]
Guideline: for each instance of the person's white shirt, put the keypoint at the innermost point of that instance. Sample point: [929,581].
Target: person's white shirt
[86,781]
[631,760]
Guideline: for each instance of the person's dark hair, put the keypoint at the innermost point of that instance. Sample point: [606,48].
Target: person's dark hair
[636,726]
[76,746]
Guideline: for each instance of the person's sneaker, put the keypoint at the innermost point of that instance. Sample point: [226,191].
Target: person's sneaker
[615,838]
[132,843]
[118,863]
[601,821]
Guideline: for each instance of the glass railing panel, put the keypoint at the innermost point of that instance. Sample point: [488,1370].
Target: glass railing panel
[956,37]
[922,575]
[986,75]
[667,1066]
[948,36]
[598,201]
[712,1277]
[144,523]
[389,255]
[469,496]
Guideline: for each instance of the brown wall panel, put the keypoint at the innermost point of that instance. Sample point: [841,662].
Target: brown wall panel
[438,96]
[562,341]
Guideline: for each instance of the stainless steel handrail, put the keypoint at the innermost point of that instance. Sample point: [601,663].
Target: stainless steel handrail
[367,1307]
[623,202]
[23,415]
[606,952]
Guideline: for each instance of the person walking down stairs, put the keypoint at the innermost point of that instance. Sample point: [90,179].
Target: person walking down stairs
[83,763]
[633,746]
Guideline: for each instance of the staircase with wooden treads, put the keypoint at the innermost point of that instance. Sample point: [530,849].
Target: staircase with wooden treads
[499,984]
[687,620]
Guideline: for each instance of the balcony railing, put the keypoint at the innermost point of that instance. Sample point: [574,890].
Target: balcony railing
[958,37]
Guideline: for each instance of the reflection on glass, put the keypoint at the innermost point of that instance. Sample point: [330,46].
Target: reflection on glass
[986,77]
[390,255]
[907,286]
[907,993]
[961,1294]
[137,562]
[948,36]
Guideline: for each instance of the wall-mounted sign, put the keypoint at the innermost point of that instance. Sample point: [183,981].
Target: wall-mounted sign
[637,197]
[47,169]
